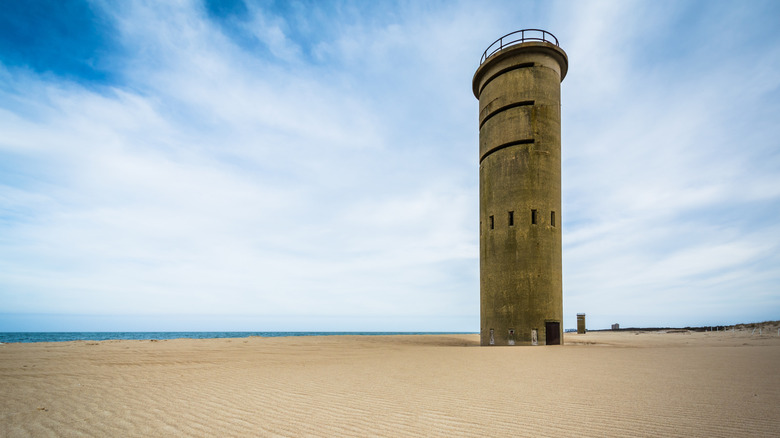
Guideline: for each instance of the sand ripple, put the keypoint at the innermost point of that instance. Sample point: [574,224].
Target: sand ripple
[599,385]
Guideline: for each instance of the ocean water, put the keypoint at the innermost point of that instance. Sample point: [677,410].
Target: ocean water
[12,337]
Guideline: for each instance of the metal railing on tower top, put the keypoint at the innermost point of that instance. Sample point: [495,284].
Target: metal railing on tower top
[513,38]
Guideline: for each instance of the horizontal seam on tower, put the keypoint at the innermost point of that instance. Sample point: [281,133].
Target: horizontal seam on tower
[500,72]
[506,145]
[504,108]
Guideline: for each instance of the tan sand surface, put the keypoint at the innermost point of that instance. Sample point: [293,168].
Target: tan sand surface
[599,384]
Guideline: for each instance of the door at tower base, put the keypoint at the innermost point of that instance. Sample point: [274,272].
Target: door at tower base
[552,331]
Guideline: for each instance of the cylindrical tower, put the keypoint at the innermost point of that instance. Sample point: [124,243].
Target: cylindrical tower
[518,84]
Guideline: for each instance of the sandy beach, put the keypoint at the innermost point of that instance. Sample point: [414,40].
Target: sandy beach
[710,384]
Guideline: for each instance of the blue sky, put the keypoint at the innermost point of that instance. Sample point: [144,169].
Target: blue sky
[265,165]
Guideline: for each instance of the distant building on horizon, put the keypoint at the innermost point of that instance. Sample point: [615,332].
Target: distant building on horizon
[518,84]
[581,329]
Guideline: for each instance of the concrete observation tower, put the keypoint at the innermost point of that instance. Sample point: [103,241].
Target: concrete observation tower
[518,84]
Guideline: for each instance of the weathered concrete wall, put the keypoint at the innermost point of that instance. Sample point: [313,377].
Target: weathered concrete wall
[520,193]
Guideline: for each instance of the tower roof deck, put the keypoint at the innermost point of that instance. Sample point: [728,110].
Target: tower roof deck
[518,37]
[522,48]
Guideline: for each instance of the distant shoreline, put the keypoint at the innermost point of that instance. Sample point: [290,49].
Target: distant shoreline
[33,337]
[741,326]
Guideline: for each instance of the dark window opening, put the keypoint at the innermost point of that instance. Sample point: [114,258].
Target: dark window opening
[504,108]
[500,72]
[506,145]
[552,218]
[533,217]
[511,218]
[491,222]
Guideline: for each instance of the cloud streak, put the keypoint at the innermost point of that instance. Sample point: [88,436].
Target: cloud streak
[672,156]
[315,168]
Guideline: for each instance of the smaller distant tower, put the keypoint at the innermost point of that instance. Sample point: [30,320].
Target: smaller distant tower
[581,323]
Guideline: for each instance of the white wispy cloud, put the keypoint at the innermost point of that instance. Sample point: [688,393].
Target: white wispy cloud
[217,183]
[318,169]
[659,153]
